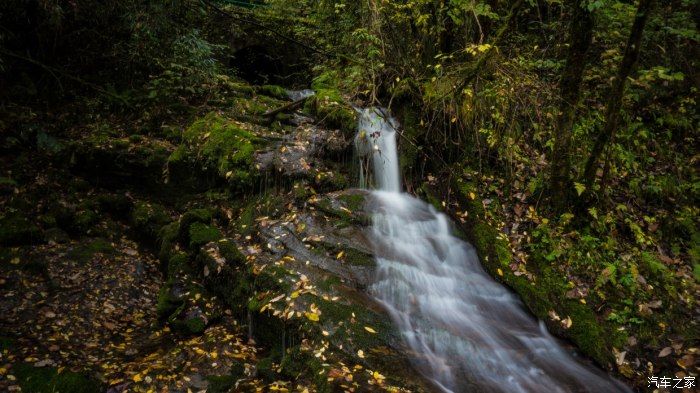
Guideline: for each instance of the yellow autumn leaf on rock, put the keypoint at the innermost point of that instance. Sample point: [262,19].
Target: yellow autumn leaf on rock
[369,329]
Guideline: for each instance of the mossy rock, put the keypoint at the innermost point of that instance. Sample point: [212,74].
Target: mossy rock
[265,371]
[189,326]
[201,234]
[85,220]
[48,380]
[167,237]
[147,219]
[16,229]
[118,204]
[203,216]
[84,252]
[220,147]
[226,383]
[114,161]
[166,303]
[328,105]
[274,91]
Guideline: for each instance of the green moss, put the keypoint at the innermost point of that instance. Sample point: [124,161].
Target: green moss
[47,380]
[118,204]
[166,304]
[85,251]
[329,106]
[167,237]
[201,234]
[274,91]
[195,325]
[230,252]
[297,364]
[203,216]
[17,229]
[147,219]
[84,220]
[246,220]
[265,371]
[178,262]
[226,383]
[354,202]
[221,147]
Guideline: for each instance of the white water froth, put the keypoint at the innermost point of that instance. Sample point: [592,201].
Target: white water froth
[467,332]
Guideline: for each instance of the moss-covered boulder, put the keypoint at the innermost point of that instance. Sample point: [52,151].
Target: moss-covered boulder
[328,105]
[113,161]
[201,234]
[220,147]
[147,219]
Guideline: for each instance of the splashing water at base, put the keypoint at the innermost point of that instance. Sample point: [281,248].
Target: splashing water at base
[468,332]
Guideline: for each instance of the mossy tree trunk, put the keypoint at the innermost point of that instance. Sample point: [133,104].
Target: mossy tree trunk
[581,32]
[617,90]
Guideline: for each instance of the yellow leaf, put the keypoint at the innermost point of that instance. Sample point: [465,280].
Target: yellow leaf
[340,255]
[137,378]
[500,272]
[369,329]
[472,196]
[361,354]
[295,294]
[312,316]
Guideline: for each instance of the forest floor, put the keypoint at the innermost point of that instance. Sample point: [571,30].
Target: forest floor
[116,279]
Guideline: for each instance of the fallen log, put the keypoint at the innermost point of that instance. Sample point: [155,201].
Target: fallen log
[290,106]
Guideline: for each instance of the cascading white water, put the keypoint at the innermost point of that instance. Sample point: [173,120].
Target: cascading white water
[468,332]
[377,136]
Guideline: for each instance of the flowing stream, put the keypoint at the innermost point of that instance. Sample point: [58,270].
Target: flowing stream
[467,332]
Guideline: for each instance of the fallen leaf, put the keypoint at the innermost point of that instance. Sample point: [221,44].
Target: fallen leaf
[312,316]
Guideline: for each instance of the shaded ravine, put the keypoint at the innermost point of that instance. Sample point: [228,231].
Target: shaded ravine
[469,333]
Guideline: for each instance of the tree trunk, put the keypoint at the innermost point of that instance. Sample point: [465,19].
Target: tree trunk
[581,32]
[612,110]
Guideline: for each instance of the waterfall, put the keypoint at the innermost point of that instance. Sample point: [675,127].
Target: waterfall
[376,136]
[467,332]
